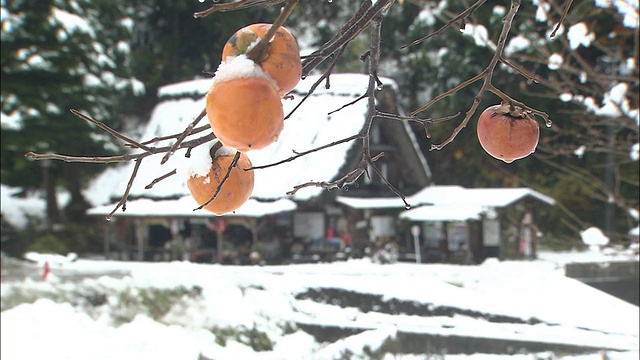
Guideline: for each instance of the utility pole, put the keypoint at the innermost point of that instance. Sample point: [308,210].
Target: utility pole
[415,231]
[610,181]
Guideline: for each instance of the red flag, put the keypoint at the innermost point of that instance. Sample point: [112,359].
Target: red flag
[47,269]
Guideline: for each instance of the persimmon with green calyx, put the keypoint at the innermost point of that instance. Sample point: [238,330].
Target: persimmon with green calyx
[236,189]
[280,59]
[508,133]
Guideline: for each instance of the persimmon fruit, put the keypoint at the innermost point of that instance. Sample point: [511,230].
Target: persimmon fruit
[235,190]
[245,113]
[508,133]
[280,60]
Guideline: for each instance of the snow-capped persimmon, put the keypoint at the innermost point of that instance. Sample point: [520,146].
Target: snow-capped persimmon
[281,59]
[508,133]
[235,190]
[245,113]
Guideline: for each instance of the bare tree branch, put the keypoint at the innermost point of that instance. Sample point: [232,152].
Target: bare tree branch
[109,130]
[233,164]
[236,5]
[564,15]
[323,77]
[123,200]
[119,158]
[182,136]
[460,17]
[352,29]
[303,153]
[157,180]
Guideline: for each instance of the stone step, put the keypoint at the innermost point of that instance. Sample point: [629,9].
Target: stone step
[409,343]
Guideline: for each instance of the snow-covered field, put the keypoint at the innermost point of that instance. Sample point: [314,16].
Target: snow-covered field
[182,310]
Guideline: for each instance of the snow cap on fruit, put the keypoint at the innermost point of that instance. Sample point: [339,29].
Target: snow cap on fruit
[199,162]
[240,67]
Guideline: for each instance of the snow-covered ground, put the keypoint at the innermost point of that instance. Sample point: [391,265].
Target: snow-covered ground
[222,312]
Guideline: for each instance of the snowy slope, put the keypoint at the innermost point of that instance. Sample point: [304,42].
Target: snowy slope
[526,302]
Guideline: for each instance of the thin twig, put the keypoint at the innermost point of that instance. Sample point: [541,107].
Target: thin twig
[460,16]
[233,164]
[175,136]
[449,93]
[521,71]
[109,130]
[347,33]
[123,199]
[187,131]
[391,187]
[118,158]
[236,5]
[413,118]
[352,29]
[363,96]
[303,153]
[342,183]
[85,159]
[324,76]
[564,15]
[158,179]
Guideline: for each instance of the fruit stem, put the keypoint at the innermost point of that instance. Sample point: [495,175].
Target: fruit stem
[519,106]
[262,45]
[508,107]
[214,149]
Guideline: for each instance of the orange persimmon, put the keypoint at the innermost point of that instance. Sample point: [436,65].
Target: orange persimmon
[235,190]
[245,113]
[281,59]
[508,133]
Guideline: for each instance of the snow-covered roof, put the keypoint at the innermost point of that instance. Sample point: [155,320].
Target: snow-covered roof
[185,207]
[434,194]
[491,197]
[437,194]
[371,203]
[443,213]
[310,126]
[450,195]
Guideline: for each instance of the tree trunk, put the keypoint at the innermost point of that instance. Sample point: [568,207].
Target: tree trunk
[51,199]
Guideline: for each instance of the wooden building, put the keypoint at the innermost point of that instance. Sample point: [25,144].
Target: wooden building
[160,224]
[469,225]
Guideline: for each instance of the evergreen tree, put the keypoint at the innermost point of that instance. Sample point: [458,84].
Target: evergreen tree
[169,45]
[60,55]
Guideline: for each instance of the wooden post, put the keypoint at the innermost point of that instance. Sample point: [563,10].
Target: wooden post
[140,238]
[107,239]
[219,241]
[254,231]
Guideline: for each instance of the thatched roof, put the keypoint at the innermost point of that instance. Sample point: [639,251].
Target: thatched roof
[313,124]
